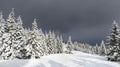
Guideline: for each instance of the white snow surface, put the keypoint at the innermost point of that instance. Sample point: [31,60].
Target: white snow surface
[77,59]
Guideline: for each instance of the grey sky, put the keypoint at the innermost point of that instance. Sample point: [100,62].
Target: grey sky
[85,20]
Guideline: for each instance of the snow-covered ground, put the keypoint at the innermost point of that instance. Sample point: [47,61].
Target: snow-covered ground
[77,59]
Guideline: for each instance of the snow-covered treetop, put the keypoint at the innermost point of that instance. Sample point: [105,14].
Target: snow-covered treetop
[11,17]
[96,45]
[19,20]
[69,39]
[61,38]
[34,25]
[113,38]
[115,30]
[53,34]
[114,22]
[1,17]
[115,25]
[102,42]
[20,23]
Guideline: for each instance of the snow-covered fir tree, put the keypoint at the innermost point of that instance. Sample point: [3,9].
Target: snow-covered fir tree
[10,45]
[69,45]
[36,42]
[97,50]
[51,43]
[2,31]
[13,38]
[76,47]
[2,24]
[103,49]
[59,44]
[22,52]
[114,42]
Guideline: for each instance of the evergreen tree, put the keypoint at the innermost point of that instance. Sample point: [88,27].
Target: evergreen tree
[114,42]
[59,46]
[9,44]
[2,24]
[69,45]
[51,43]
[92,50]
[21,53]
[11,17]
[102,48]
[36,42]
[97,51]
[43,42]
[76,47]
[13,38]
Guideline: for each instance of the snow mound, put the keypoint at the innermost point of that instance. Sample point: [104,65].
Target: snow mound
[77,59]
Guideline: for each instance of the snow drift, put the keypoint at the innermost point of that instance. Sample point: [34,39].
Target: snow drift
[77,59]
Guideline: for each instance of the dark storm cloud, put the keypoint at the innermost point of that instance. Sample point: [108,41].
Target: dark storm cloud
[85,20]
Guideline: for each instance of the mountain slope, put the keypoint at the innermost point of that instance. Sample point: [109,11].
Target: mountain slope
[77,59]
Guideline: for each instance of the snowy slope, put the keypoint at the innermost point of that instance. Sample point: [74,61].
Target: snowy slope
[77,59]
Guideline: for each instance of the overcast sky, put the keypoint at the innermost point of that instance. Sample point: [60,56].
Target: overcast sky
[85,20]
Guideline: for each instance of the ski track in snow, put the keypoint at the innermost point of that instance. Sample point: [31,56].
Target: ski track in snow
[77,59]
